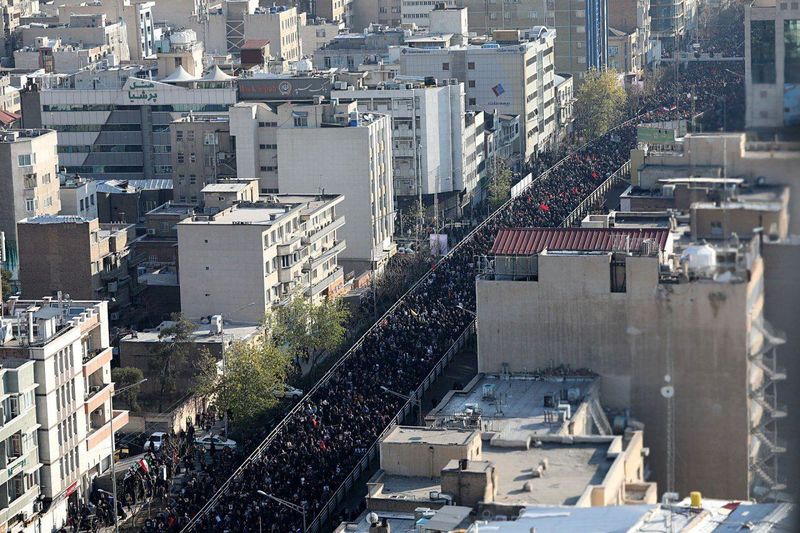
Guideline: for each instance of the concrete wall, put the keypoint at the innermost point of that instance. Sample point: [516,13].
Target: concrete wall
[424,459]
[695,332]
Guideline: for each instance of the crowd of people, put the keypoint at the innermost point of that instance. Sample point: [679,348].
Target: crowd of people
[319,444]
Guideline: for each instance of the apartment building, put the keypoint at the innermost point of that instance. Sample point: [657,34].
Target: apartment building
[772,64]
[673,325]
[348,51]
[180,49]
[328,10]
[78,196]
[11,11]
[53,56]
[68,343]
[513,74]
[668,19]
[19,458]
[202,153]
[78,256]
[352,155]
[113,124]
[136,14]
[581,27]
[316,33]
[431,152]
[9,96]
[83,30]
[418,12]
[246,258]
[226,30]
[623,53]
[28,182]
[633,16]
[565,99]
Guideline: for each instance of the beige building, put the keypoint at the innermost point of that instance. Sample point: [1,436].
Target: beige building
[513,74]
[202,153]
[352,156]
[185,51]
[9,96]
[68,343]
[623,53]
[674,328]
[245,259]
[28,182]
[11,11]
[565,100]
[78,256]
[84,30]
[316,33]
[772,64]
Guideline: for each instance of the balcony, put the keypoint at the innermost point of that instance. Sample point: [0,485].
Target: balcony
[336,249]
[324,283]
[95,360]
[403,152]
[335,224]
[95,398]
[289,246]
[103,433]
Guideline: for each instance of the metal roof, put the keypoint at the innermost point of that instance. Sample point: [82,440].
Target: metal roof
[530,241]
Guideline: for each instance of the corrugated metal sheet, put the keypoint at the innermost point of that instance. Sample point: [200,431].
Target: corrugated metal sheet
[530,241]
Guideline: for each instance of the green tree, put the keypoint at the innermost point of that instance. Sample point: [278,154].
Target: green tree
[307,330]
[175,344]
[500,185]
[126,376]
[599,103]
[253,372]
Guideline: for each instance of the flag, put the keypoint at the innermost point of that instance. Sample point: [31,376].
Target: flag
[144,466]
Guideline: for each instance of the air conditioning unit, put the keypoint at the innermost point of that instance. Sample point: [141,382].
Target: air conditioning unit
[151,231]
[38,506]
[216,325]
[94,389]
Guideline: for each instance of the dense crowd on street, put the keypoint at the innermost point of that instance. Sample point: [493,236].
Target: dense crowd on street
[320,443]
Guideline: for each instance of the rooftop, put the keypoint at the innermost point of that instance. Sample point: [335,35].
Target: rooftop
[530,241]
[516,408]
[267,210]
[234,331]
[225,187]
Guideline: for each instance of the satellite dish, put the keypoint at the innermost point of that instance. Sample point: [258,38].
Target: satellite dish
[373,519]
[668,391]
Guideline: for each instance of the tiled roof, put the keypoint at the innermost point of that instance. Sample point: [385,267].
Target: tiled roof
[530,241]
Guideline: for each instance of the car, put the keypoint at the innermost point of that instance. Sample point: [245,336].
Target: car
[218,441]
[289,392]
[154,442]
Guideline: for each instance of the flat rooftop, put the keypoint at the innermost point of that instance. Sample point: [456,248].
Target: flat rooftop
[268,210]
[225,187]
[516,411]
[423,435]
[571,468]
[234,331]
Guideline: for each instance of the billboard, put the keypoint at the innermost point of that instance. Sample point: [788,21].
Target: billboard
[284,88]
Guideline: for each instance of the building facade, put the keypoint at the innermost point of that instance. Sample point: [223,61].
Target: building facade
[630,16]
[202,153]
[28,182]
[84,30]
[68,343]
[75,255]
[514,75]
[114,125]
[772,64]
[78,196]
[431,152]
[668,21]
[580,26]
[246,258]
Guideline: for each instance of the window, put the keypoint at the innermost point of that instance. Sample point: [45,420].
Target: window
[618,273]
[445,66]
[472,101]
[179,135]
[193,158]
[190,135]
[181,158]
[791,41]
[31,204]
[471,65]
[762,58]
[26,160]
[300,120]
[471,83]
[192,179]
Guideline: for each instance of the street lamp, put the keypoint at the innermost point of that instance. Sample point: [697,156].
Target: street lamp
[293,506]
[412,397]
[113,451]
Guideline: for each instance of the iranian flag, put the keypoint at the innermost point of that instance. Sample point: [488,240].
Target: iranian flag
[144,466]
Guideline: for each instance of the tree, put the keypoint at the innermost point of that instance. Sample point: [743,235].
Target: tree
[499,185]
[174,345]
[599,103]
[307,330]
[126,376]
[253,373]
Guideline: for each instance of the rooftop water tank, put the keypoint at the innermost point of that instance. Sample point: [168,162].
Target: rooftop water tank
[700,257]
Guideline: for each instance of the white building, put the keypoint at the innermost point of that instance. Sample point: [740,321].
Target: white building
[19,480]
[83,30]
[68,342]
[53,56]
[248,257]
[180,49]
[316,33]
[78,196]
[324,148]
[772,64]
[418,12]
[113,124]
[511,76]
[431,151]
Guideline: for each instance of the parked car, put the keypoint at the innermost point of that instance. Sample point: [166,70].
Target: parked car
[218,441]
[154,442]
[289,392]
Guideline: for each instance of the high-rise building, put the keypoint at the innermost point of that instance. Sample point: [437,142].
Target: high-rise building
[28,182]
[431,151]
[632,16]
[513,74]
[113,124]
[68,343]
[668,21]
[772,64]
[246,258]
[581,27]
